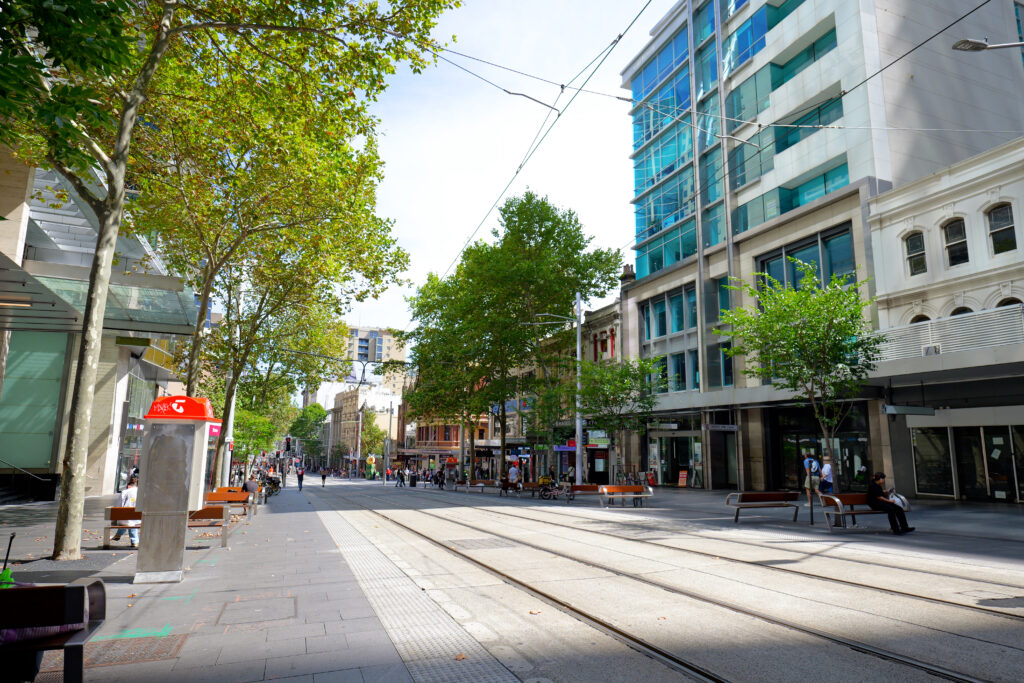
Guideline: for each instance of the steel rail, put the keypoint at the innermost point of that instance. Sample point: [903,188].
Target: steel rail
[855,645]
[812,575]
[659,654]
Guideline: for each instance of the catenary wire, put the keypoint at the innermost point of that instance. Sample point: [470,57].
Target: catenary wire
[537,145]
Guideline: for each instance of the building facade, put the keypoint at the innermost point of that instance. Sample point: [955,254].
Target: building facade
[949,255]
[760,131]
[46,250]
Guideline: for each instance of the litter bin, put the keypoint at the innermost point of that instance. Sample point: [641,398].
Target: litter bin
[412,479]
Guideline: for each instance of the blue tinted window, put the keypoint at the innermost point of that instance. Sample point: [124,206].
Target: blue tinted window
[675,304]
[839,256]
[703,23]
[808,254]
[706,70]
[711,181]
[678,381]
[691,306]
[660,322]
[708,128]
[714,226]
[672,55]
[730,7]
[645,316]
[745,42]
[694,370]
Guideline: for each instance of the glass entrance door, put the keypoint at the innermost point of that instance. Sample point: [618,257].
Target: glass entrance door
[999,463]
[970,463]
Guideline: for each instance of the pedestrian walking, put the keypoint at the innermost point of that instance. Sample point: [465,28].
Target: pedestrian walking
[299,474]
[812,476]
[825,485]
[878,500]
[399,477]
[128,498]
[323,477]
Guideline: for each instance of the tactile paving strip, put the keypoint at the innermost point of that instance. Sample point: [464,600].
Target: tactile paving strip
[426,637]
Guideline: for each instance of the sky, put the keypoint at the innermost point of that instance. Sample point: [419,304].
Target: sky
[451,142]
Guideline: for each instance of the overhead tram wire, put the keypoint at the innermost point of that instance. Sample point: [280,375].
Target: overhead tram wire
[607,51]
[694,126]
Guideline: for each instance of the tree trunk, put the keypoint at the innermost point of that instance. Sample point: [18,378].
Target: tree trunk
[222,459]
[67,542]
[194,365]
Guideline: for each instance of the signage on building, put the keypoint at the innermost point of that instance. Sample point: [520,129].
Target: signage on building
[663,426]
[596,434]
[721,428]
[601,441]
[682,478]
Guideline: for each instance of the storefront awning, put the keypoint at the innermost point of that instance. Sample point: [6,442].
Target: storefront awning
[26,304]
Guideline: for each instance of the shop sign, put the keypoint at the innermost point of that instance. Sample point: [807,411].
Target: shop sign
[682,478]
[596,434]
[565,448]
[663,426]
[721,428]
[601,441]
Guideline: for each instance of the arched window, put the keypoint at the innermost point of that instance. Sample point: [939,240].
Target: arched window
[955,234]
[961,311]
[1008,302]
[914,246]
[1000,229]
[920,318]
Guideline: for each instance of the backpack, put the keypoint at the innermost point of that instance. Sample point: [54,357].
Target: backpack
[815,468]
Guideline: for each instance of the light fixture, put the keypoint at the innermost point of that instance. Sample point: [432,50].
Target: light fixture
[975,45]
[16,303]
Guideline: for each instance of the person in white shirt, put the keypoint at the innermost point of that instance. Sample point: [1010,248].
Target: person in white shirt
[825,485]
[513,475]
[128,498]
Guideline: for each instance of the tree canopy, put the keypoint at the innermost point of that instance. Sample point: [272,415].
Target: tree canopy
[813,340]
[79,77]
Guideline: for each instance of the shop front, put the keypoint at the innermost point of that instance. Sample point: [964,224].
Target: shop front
[980,461]
[675,452]
[793,435]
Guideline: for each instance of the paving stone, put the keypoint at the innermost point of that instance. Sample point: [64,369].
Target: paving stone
[343,676]
[296,630]
[355,625]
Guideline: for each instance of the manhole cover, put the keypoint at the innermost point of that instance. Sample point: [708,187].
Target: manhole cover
[121,651]
[482,543]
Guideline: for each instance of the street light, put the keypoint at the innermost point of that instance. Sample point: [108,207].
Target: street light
[974,45]
[579,380]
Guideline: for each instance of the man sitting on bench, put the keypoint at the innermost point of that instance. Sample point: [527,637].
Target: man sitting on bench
[877,500]
[128,498]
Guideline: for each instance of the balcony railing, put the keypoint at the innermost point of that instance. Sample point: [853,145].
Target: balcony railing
[967,332]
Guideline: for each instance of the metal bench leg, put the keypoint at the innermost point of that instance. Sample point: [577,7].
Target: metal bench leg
[106,538]
[224,536]
[796,511]
[736,517]
[74,663]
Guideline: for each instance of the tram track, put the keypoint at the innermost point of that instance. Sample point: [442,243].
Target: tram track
[747,544]
[640,644]
[785,570]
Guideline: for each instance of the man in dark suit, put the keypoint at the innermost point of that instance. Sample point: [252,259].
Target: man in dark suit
[878,500]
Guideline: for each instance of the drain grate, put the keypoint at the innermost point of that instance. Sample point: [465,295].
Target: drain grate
[122,651]
[482,543]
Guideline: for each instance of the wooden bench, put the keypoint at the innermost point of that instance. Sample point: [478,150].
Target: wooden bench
[574,490]
[70,615]
[635,493]
[478,485]
[505,487]
[240,489]
[838,506]
[210,516]
[235,499]
[531,487]
[763,499]
[115,518]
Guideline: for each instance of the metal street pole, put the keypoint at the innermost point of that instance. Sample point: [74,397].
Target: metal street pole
[359,444]
[579,389]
